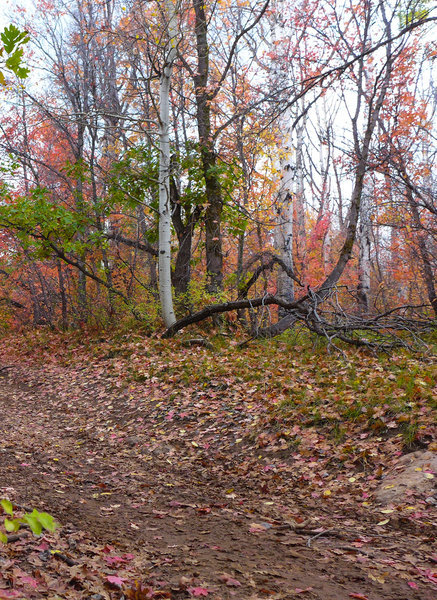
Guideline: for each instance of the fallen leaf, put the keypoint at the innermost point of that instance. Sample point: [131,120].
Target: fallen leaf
[230,581]
[29,581]
[115,580]
[259,527]
[413,585]
[198,591]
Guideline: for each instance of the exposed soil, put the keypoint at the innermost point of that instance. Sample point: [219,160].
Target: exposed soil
[198,521]
[414,471]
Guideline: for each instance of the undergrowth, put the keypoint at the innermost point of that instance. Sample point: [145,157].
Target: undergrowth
[295,379]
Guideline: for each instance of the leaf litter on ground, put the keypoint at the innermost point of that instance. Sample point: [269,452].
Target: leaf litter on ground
[285,445]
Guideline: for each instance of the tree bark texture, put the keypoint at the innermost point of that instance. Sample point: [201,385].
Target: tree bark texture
[164,259]
[213,213]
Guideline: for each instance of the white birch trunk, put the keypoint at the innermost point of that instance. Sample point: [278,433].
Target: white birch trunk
[283,237]
[164,263]
[327,243]
[299,200]
[284,212]
[364,259]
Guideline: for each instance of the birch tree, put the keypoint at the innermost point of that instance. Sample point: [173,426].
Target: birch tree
[164,268]
[284,170]
[364,256]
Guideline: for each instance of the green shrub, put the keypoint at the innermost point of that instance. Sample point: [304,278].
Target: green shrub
[37,521]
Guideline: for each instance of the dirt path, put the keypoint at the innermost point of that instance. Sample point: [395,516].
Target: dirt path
[215,521]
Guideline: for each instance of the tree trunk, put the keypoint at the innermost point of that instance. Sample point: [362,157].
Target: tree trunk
[284,170]
[213,213]
[284,214]
[427,270]
[164,267]
[364,261]
[63,295]
[299,201]
[182,269]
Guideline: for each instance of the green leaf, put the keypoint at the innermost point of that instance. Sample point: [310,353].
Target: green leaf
[7,506]
[22,72]
[47,521]
[32,520]
[14,60]
[13,37]
[12,525]
[3,538]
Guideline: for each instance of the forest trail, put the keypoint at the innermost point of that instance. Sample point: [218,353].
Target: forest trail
[210,526]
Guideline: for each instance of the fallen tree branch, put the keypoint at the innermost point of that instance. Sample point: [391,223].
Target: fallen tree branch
[215,309]
[401,326]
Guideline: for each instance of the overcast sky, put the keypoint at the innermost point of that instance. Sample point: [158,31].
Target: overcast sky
[7,10]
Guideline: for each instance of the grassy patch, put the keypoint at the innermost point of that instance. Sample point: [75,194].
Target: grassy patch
[290,381]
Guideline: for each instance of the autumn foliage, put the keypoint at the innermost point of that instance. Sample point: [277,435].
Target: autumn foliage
[290,135]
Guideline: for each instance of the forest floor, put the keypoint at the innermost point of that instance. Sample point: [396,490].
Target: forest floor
[233,473]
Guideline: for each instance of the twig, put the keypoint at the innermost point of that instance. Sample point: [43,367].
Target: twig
[68,561]
[357,550]
[17,536]
[326,532]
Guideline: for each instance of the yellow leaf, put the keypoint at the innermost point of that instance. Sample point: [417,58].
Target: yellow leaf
[352,479]
[387,511]
[384,522]
[327,493]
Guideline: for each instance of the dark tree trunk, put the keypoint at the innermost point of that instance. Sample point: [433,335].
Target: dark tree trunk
[182,271]
[213,214]
[63,295]
[427,270]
